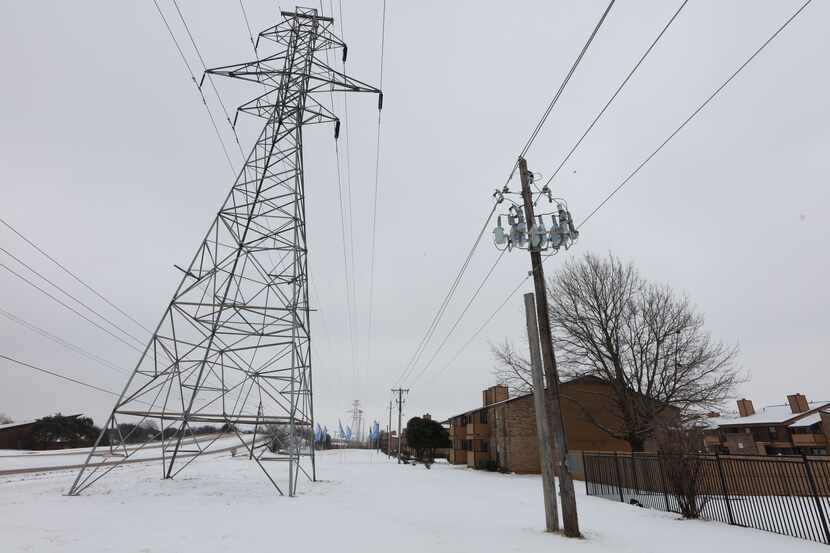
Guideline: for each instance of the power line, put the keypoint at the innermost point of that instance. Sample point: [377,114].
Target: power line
[70,308]
[57,339]
[537,129]
[198,88]
[79,302]
[443,307]
[248,25]
[617,92]
[350,220]
[343,235]
[458,320]
[73,275]
[562,86]
[695,112]
[630,176]
[210,77]
[375,202]
[58,375]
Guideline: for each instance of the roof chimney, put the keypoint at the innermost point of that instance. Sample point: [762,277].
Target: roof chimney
[798,403]
[745,407]
[494,394]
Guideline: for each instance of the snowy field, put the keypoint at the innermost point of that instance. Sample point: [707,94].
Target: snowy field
[363,503]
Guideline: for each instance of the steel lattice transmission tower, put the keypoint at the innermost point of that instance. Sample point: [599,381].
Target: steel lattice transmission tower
[234,344]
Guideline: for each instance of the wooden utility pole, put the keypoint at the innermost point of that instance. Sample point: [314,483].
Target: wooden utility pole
[542,427]
[570,518]
[400,392]
[389,432]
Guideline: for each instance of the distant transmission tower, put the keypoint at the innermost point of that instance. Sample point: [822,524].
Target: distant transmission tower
[234,344]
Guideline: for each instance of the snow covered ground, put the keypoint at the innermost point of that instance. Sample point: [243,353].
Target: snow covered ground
[20,460]
[362,503]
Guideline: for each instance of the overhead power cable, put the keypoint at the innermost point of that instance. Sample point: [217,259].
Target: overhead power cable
[633,173]
[375,199]
[57,339]
[73,275]
[617,92]
[69,307]
[210,77]
[198,88]
[535,133]
[458,319]
[436,319]
[344,237]
[562,86]
[58,375]
[695,112]
[350,219]
[76,300]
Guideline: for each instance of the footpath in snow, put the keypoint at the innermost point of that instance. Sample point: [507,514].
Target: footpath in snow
[363,503]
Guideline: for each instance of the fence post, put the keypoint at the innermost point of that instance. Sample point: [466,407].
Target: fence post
[724,490]
[585,471]
[814,489]
[619,478]
[663,481]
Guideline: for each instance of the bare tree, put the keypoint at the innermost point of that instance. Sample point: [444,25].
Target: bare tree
[644,340]
[512,369]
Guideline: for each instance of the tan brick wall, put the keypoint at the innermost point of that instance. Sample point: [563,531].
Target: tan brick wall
[513,427]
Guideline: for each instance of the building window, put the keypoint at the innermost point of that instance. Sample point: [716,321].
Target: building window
[482,417]
[773,432]
[485,446]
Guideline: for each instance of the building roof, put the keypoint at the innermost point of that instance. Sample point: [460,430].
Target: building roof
[809,420]
[771,414]
[524,395]
[16,424]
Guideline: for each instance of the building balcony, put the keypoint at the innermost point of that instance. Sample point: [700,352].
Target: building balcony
[809,440]
[478,430]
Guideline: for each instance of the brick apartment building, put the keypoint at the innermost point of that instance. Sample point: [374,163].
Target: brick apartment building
[502,432]
[796,427]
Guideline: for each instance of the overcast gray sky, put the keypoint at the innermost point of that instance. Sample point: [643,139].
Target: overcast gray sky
[109,162]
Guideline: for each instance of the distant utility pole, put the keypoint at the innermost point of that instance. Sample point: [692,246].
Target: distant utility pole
[400,392]
[528,231]
[389,431]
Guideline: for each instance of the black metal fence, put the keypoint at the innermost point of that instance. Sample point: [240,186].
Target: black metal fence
[786,495]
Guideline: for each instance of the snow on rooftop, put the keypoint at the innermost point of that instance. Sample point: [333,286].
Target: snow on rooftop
[13,424]
[809,420]
[771,414]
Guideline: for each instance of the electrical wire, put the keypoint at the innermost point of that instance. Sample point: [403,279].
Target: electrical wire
[248,25]
[561,88]
[534,134]
[76,300]
[198,88]
[458,319]
[617,92]
[209,77]
[349,208]
[630,176]
[413,360]
[73,275]
[57,339]
[343,234]
[58,375]
[695,112]
[375,200]
[70,308]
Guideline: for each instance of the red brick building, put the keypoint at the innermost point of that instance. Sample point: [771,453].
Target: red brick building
[796,427]
[502,432]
